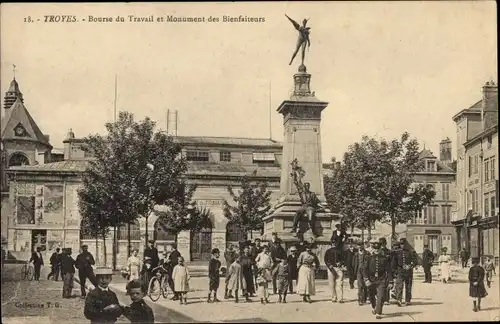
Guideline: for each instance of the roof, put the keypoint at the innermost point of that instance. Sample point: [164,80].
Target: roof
[18,114]
[236,141]
[193,168]
[14,86]
[427,154]
[477,106]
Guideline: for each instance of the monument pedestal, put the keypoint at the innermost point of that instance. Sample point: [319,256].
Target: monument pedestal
[302,141]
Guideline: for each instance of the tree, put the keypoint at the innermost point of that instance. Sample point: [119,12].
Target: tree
[136,167]
[252,204]
[94,211]
[183,213]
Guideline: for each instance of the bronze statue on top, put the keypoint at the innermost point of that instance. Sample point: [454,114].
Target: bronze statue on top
[310,202]
[303,38]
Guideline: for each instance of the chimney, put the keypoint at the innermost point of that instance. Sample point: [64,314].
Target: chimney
[445,150]
[489,111]
[67,144]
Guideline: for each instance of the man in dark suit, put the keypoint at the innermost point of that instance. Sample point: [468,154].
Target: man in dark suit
[55,265]
[37,260]
[404,262]
[427,261]
[377,274]
[359,260]
[67,272]
[339,235]
[388,253]
[349,263]
[84,262]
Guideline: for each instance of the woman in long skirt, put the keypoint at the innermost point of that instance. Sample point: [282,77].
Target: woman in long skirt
[476,284]
[305,283]
[134,265]
[444,262]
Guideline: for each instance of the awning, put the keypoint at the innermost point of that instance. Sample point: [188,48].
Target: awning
[263,156]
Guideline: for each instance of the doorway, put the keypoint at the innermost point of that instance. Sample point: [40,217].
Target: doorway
[201,245]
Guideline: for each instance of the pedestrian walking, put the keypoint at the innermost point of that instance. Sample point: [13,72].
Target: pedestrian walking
[67,273]
[388,254]
[489,267]
[334,260]
[292,268]
[464,257]
[84,263]
[283,279]
[134,265]
[55,265]
[360,258]
[405,261]
[377,273]
[37,260]
[349,264]
[247,268]
[307,262]
[214,275]
[181,278]
[236,281]
[138,311]
[476,284]
[427,262]
[444,262]
[101,305]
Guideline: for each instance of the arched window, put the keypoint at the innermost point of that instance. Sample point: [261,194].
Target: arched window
[18,159]
[234,233]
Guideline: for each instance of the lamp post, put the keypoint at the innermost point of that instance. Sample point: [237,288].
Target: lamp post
[151,169]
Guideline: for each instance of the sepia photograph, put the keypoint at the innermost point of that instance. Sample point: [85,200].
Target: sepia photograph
[249,162]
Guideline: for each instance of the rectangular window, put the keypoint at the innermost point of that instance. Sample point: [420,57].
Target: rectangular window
[492,169]
[446,191]
[263,158]
[486,170]
[431,166]
[418,217]
[225,156]
[475,202]
[488,145]
[431,215]
[446,211]
[446,242]
[470,165]
[197,156]
[493,204]
[433,242]
[418,243]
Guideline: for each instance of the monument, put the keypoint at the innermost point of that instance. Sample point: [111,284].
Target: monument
[300,211]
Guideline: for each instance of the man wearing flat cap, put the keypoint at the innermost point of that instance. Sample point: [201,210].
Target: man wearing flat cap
[427,261]
[377,274]
[404,262]
[84,262]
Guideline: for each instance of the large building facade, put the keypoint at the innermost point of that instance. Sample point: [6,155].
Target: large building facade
[432,225]
[476,217]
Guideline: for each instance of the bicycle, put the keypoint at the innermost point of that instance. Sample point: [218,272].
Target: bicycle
[158,285]
[27,271]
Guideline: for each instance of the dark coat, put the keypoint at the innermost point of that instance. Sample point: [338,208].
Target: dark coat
[359,261]
[377,267]
[404,257]
[67,264]
[55,259]
[173,257]
[292,266]
[84,262]
[339,237]
[95,303]
[37,260]
[153,254]
[334,257]
[139,312]
[476,274]
[427,258]
[349,260]
[277,251]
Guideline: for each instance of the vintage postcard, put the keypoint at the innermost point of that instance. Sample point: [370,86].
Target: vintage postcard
[227,162]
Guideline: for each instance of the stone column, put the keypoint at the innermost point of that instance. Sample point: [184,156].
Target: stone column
[184,244]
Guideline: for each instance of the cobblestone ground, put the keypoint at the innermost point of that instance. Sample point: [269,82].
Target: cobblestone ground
[42,302]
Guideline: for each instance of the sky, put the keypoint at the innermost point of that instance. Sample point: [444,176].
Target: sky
[384,67]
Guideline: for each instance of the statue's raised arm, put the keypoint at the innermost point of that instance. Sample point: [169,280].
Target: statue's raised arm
[294,23]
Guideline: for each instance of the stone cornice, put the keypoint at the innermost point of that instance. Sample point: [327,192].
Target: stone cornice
[483,134]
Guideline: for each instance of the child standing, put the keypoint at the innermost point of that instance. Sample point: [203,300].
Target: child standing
[138,311]
[101,305]
[489,267]
[180,276]
[283,279]
[476,284]
[235,279]
[262,286]
[214,275]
